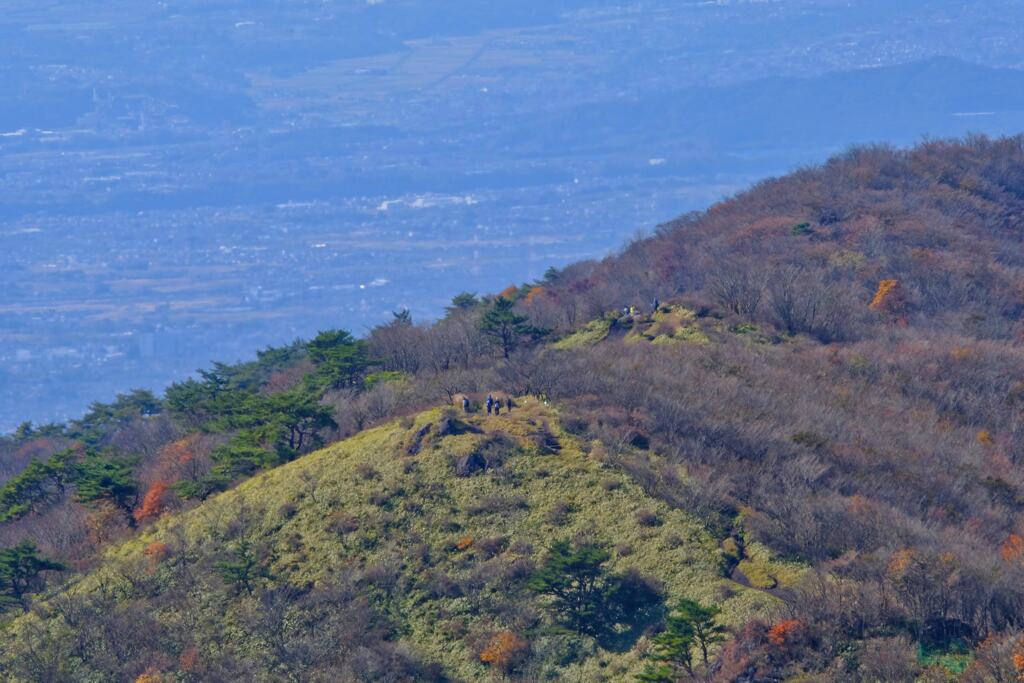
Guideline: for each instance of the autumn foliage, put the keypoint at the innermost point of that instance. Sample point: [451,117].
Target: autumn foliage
[900,562]
[154,503]
[156,552]
[888,298]
[536,294]
[182,451]
[788,632]
[177,458]
[150,676]
[38,449]
[105,524]
[189,660]
[504,650]
[1012,549]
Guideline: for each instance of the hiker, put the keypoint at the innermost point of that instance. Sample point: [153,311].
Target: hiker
[656,303]
[497,407]
[508,404]
[465,404]
[490,403]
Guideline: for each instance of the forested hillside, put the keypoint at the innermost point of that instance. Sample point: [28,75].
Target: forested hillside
[802,461]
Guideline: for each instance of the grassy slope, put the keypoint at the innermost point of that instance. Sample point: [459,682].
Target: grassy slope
[593,332]
[436,508]
[670,324]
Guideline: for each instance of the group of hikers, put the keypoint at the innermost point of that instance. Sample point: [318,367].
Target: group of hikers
[632,311]
[492,404]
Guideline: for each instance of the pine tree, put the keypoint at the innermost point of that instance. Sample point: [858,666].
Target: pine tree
[689,624]
[462,302]
[39,483]
[102,478]
[242,569]
[575,579]
[505,327]
[341,360]
[673,647]
[21,569]
[656,673]
[702,620]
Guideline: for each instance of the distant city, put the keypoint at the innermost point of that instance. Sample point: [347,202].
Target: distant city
[252,172]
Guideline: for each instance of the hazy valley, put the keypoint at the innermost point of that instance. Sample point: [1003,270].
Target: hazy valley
[177,171]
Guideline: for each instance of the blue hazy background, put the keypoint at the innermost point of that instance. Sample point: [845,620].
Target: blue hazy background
[187,181]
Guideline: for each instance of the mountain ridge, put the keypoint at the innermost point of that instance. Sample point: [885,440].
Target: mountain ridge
[462,523]
[824,368]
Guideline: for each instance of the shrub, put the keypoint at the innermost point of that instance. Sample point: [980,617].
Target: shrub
[889,298]
[367,472]
[454,628]
[648,518]
[343,524]
[809,439]
[559,513]
[151,675]
[519,569]
[441,585]
[489,547]
[1012,549]
[154,503]
[497,503]
[787,633]
[504,651]
[156,552]
[575,426]
[888,659]
[382,499]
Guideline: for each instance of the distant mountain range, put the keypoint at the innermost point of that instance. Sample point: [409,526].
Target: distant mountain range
[762,118]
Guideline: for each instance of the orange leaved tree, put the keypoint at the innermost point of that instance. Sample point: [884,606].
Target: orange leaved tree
[889,299]
[504,651]
[154,503]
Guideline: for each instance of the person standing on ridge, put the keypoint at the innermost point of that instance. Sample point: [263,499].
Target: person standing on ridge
[508,404]
[490,403]
[465,404]
[497,407]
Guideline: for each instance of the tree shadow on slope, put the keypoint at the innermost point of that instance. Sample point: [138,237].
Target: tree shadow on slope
[587,599]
